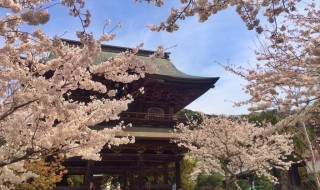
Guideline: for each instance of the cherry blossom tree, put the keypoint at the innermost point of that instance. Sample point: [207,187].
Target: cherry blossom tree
[286,76]
[235,147]
[40,114]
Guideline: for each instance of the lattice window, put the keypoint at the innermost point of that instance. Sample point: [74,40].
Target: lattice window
[155,112]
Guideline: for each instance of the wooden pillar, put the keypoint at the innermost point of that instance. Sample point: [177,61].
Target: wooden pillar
[88,175]
[165,175]
[140,173]
[178,173]
[64,181]
[132,181]
[125,181]
[156,178]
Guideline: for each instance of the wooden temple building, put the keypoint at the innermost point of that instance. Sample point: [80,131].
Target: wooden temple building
[152,162]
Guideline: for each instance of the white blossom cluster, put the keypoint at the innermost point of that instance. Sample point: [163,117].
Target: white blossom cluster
[13,174]
[233,147]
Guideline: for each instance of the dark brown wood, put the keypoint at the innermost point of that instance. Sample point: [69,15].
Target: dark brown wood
[132,186]
[88,174]
[294,177]
[165,174]
[178,173]
[145,157]
[140,173]
[126,180]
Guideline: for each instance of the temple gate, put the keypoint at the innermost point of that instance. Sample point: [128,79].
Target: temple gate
[152,162]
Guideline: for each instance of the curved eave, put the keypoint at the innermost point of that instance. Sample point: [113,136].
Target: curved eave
[178,91]
[209,81]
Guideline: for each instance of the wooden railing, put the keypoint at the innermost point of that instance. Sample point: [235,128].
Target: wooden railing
[152,116]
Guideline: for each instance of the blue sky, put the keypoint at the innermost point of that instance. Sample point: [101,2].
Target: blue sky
[223,38]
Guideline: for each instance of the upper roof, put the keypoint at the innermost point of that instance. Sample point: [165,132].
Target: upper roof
[164,65]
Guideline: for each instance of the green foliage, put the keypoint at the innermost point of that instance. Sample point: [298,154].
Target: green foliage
[300,144]
[209,181]
[75,180]
[49,172]
[191,115]
[244,184]
[215,181]
[187,167]
[307,181]
[265,116]
[2,141]
[265,183]
[256,183]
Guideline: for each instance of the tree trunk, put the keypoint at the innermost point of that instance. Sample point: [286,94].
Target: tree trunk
[227,184]
[313,158]
[294,177]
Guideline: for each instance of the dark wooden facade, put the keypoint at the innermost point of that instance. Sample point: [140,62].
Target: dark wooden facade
[132,165]
[152,162]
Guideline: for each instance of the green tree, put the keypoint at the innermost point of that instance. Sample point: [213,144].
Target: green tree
[209,181]
[258,118]
[49,171]
[187,168]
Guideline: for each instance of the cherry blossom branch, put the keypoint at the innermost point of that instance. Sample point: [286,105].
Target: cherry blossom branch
[15,108]
[28,155]
[181,13]
[34,133]
[49,6]
[275,19]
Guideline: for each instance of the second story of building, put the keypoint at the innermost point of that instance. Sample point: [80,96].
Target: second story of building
[165,92]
